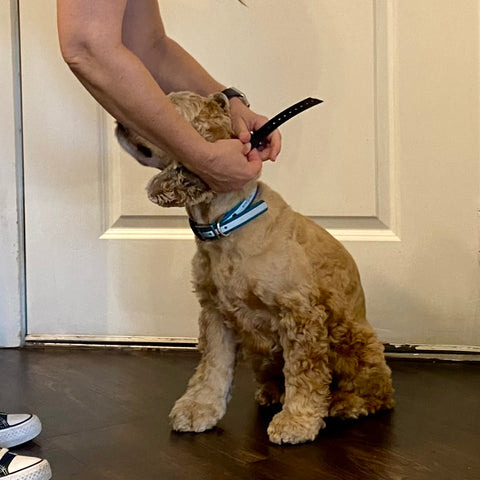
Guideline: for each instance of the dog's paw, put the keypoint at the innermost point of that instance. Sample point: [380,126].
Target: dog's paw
[269,393]
[288,428]
[347,405]
[190,415]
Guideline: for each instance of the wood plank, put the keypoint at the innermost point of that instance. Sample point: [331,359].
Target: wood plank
[105,413]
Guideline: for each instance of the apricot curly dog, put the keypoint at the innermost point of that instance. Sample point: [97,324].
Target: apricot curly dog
[279,289]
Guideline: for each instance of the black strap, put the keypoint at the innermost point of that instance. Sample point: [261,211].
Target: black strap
[3,421]
[5,461]
[259,137]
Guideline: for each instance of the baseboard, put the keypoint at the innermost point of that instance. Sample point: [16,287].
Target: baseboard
[453,353]
[450,353]
[117,341]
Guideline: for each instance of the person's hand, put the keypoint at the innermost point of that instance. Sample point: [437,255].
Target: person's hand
[228,165]
[245,121]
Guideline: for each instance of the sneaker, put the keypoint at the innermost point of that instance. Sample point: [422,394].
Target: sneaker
[19,467]
[16,429]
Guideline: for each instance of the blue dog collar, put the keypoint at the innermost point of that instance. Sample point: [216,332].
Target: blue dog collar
[239,215]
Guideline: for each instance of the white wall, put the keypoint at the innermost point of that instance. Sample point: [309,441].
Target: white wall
[11,246]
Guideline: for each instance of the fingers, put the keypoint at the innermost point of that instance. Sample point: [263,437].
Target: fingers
[241,129]
[244,121]
[272,148]
[255,165]
[244,136]
[275,145]
[255,161]
[231,165]
[254,156]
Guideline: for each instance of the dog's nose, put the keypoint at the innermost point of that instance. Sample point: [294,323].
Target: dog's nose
[145,151]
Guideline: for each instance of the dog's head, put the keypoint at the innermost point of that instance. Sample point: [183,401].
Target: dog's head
[176,186]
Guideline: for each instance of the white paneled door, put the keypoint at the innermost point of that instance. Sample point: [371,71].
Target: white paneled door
[389,163]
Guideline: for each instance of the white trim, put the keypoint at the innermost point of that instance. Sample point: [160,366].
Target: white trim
[148,234]
[387,186]
[345,229]
[12,277]
[352,235]
[343,235]
[420,351]
[126,341]
[420,348]
[150,339]
[445,353]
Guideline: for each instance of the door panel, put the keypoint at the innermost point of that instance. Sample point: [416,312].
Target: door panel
[373,164]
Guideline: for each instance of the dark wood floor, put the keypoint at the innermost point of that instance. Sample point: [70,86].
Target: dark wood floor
[105,417]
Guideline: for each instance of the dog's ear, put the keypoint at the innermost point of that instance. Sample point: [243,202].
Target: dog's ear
[213,120]
[140,149]
[178,187]
[222,100]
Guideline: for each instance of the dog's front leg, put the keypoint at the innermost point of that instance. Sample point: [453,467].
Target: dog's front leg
[205,401]
[304,341]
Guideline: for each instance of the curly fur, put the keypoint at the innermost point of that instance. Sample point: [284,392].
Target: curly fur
[281,291]
[177,187]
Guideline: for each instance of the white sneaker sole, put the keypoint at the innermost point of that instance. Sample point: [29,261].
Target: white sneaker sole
[39,471]
[21,433]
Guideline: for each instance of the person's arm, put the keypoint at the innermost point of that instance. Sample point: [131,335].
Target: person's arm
[171,66]
[178,70]
[90,33]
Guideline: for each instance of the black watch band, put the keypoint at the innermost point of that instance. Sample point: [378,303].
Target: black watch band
[232,92]
[259,137]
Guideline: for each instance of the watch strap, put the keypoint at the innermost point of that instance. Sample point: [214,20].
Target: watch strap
[232,92]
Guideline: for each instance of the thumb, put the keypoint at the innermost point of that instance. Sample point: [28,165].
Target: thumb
[247,147]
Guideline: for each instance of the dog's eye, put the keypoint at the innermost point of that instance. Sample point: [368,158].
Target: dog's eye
[145,151]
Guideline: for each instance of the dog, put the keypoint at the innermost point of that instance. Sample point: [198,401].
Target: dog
[278,290]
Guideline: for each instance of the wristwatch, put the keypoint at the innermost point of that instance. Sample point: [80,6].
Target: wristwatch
[232,92]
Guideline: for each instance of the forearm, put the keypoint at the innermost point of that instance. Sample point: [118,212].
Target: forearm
[118,49]
[174,69]
[124,87]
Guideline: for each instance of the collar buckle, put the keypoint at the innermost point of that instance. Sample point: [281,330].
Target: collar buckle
[238,216]
[217,228]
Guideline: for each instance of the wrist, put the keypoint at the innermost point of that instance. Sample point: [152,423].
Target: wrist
[198,159]
[233,93]
[237,103]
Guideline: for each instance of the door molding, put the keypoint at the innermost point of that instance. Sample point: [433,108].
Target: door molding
[12,251]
